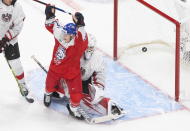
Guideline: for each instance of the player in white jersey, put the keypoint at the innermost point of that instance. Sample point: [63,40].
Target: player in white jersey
[11,23]
[93,80]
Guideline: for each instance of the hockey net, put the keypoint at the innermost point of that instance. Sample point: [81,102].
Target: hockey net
[157,25]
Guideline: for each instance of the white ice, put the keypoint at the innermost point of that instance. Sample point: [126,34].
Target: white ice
[156,66]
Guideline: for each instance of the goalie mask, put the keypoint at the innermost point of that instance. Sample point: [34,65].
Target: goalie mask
[91,47]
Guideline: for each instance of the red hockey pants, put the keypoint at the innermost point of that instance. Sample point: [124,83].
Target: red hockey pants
[54,84]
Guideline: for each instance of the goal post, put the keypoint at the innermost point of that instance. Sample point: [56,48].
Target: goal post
[115,31]
[177,39]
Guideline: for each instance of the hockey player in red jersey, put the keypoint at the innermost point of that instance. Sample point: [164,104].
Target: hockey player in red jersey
[11,23]
[70,43]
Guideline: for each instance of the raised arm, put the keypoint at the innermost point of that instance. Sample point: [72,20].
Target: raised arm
[50,18]
[78,19]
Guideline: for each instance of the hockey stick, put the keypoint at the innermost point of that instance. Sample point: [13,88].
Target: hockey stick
[43,68]
[54,7]
[30,100]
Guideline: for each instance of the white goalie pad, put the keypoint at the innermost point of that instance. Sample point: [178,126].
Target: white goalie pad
[103,111]
[96,93]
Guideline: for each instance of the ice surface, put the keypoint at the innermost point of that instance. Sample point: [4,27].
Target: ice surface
[155,66]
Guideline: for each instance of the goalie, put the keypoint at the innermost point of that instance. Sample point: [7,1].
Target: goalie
[93,81]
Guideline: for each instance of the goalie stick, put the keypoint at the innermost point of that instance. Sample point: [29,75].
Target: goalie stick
[29,100]
[88,119]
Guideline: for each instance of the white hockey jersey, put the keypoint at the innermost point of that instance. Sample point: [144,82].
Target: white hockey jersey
[95,68]
[11,21]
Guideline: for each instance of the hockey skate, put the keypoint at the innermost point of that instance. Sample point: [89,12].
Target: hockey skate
[74,111]
[79,113]
[47,99]
[23,89]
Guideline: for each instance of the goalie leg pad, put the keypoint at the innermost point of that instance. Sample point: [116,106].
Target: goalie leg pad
[96,93]
[111,107]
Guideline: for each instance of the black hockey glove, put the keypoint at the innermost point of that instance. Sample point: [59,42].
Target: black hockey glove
[50,12]
[3,43]
[13,2]
[79,19]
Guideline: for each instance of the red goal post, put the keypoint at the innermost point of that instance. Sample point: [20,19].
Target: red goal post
[177,42]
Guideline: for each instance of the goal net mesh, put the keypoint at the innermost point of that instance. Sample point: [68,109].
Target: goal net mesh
[140,26]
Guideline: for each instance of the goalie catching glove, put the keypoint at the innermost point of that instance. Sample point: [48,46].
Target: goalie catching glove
[78,19]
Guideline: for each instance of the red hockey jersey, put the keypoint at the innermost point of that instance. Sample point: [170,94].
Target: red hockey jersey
[66,56]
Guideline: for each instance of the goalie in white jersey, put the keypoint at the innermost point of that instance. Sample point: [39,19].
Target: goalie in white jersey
[11,23]
[93,80]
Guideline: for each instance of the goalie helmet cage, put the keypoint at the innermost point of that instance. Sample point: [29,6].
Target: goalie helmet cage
[177,39]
